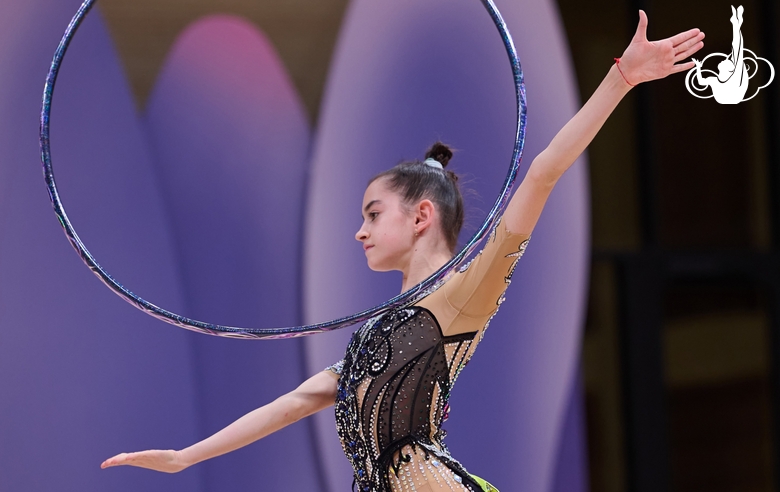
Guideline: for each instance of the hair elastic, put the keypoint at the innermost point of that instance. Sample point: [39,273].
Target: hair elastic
[433,163]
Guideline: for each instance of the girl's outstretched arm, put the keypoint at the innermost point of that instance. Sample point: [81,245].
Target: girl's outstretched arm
[315,394]
[642,61]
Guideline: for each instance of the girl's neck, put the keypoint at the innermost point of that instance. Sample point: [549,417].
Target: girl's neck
[422,267]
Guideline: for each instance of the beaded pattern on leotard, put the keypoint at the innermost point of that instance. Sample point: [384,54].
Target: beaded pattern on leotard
[395,380]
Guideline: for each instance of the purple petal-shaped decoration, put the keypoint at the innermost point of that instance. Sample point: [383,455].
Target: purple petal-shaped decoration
[84,377]
[231,142]
[408,72]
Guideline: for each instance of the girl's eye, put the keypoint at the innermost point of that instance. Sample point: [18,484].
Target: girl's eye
[373,215]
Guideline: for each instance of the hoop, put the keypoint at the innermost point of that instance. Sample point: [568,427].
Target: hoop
[408,297]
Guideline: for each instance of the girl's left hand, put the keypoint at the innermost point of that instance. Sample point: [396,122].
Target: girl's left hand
[645,60]
[169,460]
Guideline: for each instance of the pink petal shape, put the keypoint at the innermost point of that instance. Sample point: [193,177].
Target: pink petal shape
[231,143]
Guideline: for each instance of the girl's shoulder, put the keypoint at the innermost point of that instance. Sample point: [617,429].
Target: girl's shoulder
[475,291]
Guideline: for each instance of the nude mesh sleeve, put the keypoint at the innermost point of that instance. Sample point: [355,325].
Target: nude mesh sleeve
[478,289]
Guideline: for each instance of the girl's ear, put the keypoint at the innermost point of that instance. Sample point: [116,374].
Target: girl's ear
[425,212]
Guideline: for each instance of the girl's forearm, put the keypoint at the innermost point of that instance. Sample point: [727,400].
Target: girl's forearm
[577,134]
[255,425]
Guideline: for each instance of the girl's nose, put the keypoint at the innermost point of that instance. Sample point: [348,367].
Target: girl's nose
[361,235]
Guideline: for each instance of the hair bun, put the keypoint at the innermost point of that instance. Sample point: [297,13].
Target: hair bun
[440,152]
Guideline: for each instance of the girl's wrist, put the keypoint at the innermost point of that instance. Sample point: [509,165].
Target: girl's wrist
[617,82]
[623,75]
[184,457]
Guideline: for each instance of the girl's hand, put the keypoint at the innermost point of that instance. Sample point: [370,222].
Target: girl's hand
[645,60]
[168,461]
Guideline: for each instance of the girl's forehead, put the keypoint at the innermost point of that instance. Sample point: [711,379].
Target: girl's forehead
[377,190]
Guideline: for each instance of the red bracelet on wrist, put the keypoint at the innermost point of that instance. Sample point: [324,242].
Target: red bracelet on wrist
[617,62]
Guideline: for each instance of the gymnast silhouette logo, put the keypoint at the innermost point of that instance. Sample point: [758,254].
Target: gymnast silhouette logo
[730,84]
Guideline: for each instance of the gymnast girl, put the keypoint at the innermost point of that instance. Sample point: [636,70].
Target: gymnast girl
[390,390]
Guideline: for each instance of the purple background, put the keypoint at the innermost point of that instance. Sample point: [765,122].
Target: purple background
[84,374]
[205,205]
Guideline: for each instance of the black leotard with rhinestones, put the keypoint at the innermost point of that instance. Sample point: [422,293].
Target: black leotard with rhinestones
[399,368]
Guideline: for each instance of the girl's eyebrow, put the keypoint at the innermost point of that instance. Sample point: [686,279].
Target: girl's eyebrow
[365,209]
[368,205]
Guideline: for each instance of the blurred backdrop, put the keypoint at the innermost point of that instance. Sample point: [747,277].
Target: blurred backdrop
[661,250]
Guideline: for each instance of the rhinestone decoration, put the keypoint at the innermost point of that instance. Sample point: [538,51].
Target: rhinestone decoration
[389,419]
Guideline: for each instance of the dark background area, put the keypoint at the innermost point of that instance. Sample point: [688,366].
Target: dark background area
[681,353]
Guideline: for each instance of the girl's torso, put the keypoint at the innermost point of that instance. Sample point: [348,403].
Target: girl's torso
[399,368]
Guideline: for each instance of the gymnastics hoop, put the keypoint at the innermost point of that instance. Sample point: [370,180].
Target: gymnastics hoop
[409,297]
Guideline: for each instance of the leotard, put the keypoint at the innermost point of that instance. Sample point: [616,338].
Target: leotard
[396,376]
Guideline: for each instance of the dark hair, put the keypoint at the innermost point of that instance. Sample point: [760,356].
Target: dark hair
[415,180]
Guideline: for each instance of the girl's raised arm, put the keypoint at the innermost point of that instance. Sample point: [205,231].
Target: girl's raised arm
[642,61]
[315,394]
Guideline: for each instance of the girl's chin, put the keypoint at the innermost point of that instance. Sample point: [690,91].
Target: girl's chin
[378,267]
[379,264]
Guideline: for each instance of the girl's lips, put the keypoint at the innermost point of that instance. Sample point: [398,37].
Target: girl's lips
[366,248]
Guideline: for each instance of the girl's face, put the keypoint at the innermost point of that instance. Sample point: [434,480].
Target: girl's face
[388,229]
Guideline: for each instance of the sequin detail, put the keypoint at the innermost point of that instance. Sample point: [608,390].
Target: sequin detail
[337,367]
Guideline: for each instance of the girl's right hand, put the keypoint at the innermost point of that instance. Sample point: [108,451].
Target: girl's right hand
[168,461]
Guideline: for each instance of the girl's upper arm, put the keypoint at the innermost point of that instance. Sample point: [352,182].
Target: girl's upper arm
[319,391]
[478,290]
[524,209]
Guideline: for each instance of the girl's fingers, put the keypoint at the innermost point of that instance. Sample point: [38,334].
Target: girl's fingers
[113,461]
[120,459]
[693,49]
[684,36]
[641,28]
[682,67]
[684,47]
